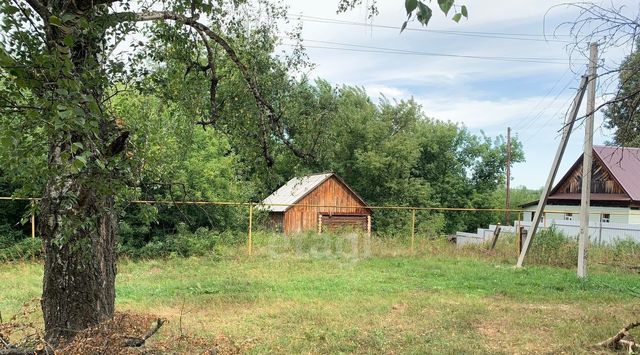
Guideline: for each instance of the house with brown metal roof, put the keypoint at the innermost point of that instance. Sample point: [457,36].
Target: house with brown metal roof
[315,203]
[615,188]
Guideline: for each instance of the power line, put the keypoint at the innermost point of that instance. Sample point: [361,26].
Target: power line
[435,54]
[429,30]
[554,115]
[529,118]
[371,49]
[494,35]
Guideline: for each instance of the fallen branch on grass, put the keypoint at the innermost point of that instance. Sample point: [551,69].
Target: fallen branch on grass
[617,341]
[138,342]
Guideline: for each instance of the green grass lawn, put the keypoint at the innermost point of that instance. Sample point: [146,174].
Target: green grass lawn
[383,304]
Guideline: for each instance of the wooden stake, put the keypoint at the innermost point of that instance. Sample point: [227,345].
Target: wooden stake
[496,234]
[250,229]
[554,170]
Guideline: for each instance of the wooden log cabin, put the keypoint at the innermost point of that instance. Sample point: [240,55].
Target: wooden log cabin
[615,188]
[317,202]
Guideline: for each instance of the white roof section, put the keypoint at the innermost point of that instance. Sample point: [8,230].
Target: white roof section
[293,191]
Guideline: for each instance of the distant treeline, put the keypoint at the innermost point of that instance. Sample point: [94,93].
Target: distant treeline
[388,151]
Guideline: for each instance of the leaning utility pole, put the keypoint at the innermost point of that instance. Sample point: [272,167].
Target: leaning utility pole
[587,162]
[566,132]
[508,198]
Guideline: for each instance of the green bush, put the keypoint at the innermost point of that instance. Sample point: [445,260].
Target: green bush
[552,247]
[24,249]
[9,236]
[623,248]
[182,244]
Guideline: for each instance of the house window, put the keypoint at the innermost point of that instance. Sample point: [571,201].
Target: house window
[568,216]
[605,218]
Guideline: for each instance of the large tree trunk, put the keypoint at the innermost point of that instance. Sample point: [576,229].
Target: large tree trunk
[79,219]
[80,258]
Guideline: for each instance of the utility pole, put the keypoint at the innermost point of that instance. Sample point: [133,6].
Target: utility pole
[587,162]
[566,132]
[507,221]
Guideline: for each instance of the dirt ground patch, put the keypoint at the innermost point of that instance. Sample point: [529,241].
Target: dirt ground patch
[114,337]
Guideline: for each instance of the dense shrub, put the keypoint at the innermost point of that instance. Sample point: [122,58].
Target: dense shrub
[24,249]
[9,236]
[626,247]
[552,247]
[184,244]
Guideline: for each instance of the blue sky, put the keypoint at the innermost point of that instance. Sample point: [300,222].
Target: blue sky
[483,95]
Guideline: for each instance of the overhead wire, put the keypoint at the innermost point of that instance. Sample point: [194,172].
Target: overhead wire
[555,115]
[522,125]
[527,123]
[494,35]
[527,117]
[385,50]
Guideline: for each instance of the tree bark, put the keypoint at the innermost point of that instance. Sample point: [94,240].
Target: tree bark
[78,214]
[80,267]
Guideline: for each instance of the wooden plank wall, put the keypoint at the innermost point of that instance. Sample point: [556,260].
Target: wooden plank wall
[330,193]
[601,181]
[339,222]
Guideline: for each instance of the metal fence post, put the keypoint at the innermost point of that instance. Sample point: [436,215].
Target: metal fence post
[33,226]
[250,246]
[413,229]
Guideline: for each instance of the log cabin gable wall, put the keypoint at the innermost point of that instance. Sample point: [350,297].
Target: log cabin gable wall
[332,192]
[602,180]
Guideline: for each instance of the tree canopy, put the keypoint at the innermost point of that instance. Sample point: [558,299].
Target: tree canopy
[623,112]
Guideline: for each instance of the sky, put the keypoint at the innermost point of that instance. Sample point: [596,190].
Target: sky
[531,96]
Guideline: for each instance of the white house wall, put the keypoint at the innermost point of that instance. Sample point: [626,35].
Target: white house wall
[634,216]
[620,215]
[599,233]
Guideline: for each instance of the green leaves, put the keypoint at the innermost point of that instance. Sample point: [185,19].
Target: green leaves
[55,21]
[68,41]
[5,59]
[424,13]
[78,163]
[410,6]
[445,5]
[76,146]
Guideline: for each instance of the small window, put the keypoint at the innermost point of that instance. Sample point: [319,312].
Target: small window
[606,218]
[568,216]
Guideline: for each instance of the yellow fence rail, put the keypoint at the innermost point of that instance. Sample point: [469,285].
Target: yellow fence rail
[262,206]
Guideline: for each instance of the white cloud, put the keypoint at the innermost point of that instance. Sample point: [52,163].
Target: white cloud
[478,113]
[484,95]
[387,91]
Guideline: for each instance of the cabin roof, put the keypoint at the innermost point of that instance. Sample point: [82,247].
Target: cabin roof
[624,165]
[296,189]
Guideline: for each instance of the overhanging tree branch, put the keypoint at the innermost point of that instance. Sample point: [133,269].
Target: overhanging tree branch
[213,86]
[205,31]
[39,8]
